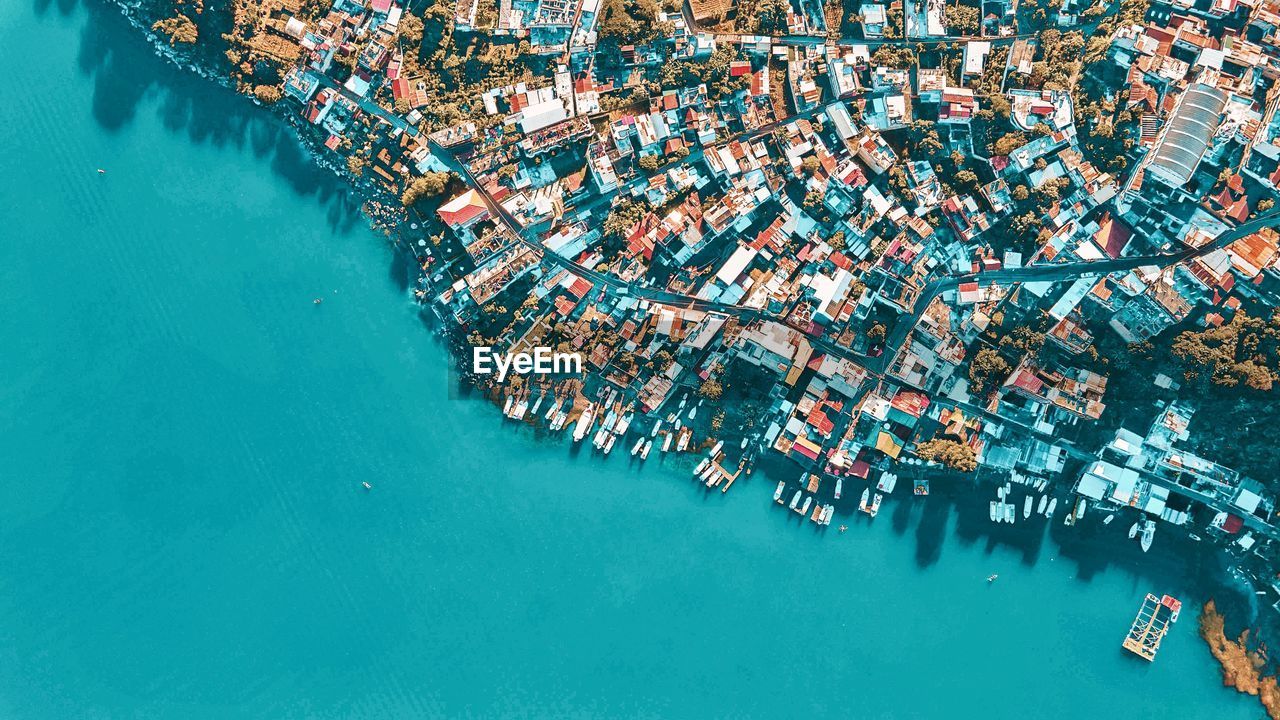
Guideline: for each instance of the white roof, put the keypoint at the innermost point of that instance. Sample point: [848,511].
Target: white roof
[736,263]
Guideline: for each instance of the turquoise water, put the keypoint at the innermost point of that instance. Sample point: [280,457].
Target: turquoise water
[183,435]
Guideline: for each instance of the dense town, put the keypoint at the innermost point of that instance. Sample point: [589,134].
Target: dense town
[1033,244]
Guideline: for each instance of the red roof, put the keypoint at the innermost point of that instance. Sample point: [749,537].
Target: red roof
[1232,524]
[463,209]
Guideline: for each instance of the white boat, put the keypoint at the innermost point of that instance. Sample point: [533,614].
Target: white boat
[599,439]
[1148,532]
[1044,501]
[807,502]
[743,446]
[862,504]
[706,474]
[684,441]
[656,427]
[839,487]
[715,449]
[562,418]
[636,448]
[875,504]
[1026,508]
[648,445]
[609,420]
[584,423]
[666,442]
[795,499]
[701,466]
[1133,531]
[1107,520]
[994,510]
[608,444]
[693,413]
[888,481]
[1053,505]
[522,409]
[555,407]
[1000,492]
[1009,513]
[777,494]
[506,409]
[825,517]
[1080,508]
[536,405]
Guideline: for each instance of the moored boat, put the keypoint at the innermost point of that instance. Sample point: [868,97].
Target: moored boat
[795,500]
[1053,505]
[1133,531]
[866,496]
[807,502]
[636,448]
[994,509]
[1026,508]
[777,494]
[666,442]
[584,422]
[1044,501]
[506,409]
[839,487]
[648,445]
[1148,534]
[715,449]
[1080,508]
[1009,513]
[875,504]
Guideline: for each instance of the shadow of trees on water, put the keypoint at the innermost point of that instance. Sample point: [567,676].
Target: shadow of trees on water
[130,77]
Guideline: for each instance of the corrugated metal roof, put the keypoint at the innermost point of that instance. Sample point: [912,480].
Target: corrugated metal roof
[1184,142]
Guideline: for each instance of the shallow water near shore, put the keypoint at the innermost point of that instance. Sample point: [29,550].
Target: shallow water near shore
[183,532]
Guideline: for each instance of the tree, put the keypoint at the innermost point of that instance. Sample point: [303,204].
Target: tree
[809,166]
[355,164]
[1020,193]
[429,185]
[987,364]
[1009,142]
[179,29]
[648,162]
[629,21]
[955,455]
[410,30]
[966,178]
[961,19]
[711,389]
[269,94]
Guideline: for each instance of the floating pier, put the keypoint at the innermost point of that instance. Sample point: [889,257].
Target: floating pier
[1150,626]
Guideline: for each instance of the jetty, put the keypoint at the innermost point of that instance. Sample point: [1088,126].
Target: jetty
[1150,626]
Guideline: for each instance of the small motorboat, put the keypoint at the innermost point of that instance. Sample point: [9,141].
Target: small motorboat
[1044,501]
[366,485]
[777,494]
[1133,531]
[992,577]
[994,510]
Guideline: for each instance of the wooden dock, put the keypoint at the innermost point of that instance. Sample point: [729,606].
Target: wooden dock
[1150,626]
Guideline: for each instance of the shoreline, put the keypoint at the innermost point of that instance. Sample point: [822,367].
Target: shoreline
[366,192]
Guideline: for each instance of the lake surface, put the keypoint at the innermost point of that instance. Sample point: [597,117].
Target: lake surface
[183,435]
